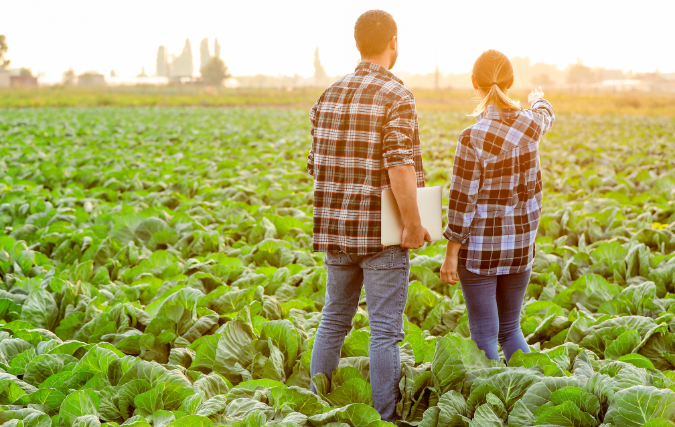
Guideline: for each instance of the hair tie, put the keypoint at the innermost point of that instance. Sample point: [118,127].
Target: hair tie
[494,83]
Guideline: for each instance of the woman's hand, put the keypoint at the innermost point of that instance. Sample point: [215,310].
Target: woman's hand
[449,267]
[536,93]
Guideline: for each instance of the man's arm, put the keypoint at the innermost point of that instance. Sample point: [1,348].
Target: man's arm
[404,186]
[310,157]
[398,135]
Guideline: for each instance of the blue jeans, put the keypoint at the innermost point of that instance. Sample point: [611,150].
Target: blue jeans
[493,304]
[385,277]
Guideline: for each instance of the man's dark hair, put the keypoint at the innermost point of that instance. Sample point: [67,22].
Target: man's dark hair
[373,30]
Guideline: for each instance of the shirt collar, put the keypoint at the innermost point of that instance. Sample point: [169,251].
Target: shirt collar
[492,113]
[364,65]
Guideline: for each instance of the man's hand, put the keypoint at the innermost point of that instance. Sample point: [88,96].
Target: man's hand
[449,267]
[414,237]
[536,93]
[404,186]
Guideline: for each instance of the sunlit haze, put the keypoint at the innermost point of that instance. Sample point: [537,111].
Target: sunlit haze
[272,37]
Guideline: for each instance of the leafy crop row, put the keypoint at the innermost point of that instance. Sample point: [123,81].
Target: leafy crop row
[156,270]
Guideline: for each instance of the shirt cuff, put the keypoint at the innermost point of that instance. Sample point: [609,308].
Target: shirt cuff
[398,158]
[455,237]
[542,103]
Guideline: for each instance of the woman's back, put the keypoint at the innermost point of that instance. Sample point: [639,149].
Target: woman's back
[496,191]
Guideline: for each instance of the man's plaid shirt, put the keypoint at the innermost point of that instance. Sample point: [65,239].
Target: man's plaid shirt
[496,192]
[362,125]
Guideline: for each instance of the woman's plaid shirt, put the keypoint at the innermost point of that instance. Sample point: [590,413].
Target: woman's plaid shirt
[362,125]
[496,192]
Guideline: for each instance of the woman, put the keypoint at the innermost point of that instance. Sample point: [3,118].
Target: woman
[495,206]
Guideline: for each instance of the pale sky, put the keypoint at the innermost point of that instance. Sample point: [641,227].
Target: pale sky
[279,37]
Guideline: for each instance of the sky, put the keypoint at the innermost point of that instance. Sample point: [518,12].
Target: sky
[279,37]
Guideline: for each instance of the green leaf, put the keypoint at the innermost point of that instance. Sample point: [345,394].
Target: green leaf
[49,397]
[659,422]
[566,415]
[582,399]
[44,366]
[354,390]
[96,360]
[508,384]
[40,309]
[357,414]
[357,343]
[454,356]
[296,398]
[485,416]
[637,360]
[235,351]
[150,401]
[624,344]
[211,385]
[284,336]
[535,360]
[192,421]
[77,404]
[127,394]
[634,406]
[9,310]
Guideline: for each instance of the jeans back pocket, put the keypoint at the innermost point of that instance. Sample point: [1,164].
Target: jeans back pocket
[390,257]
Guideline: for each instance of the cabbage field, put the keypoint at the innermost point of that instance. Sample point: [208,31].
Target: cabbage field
[157,271]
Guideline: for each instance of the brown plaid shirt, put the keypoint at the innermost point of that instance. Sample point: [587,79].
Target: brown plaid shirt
[496,192]
[362,125]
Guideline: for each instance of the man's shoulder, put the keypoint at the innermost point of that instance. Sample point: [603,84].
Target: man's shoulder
[384,86]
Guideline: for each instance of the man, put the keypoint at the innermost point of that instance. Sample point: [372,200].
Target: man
[365,140]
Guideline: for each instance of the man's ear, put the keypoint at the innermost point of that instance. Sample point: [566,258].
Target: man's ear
[473,80]
[392,43]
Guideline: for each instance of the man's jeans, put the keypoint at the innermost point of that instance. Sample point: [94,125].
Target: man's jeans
[493,304]
[385,276]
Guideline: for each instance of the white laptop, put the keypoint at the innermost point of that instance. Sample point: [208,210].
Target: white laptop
[429,206]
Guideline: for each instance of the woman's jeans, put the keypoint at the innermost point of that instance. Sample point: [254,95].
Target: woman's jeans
[494,304]
[385,278]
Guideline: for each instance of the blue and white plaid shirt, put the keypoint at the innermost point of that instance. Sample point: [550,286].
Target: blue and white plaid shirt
[496,192]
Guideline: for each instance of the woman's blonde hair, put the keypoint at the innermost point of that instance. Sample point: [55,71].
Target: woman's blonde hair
[493,72]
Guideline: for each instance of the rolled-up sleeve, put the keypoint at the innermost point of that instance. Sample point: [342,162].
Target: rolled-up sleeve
[544,116]
[310,157]
[398,133]
[463,191]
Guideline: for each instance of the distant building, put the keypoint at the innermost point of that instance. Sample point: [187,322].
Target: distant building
[91,78]
[657,82]
[4,78]
[23,81]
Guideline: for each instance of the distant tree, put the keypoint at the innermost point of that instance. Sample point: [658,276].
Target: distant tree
[4,63]
[68,77]
[162,62]
[142,73]
[204,53]
[25,72]
[112,73]
[183,64]
[216,49]
[579,74]
[320,76]
[215,71]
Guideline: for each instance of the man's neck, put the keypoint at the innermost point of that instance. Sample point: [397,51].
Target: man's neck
[381,61]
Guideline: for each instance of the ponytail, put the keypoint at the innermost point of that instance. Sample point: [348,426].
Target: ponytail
[493,72]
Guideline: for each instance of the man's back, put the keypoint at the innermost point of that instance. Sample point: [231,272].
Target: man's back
[362,125]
